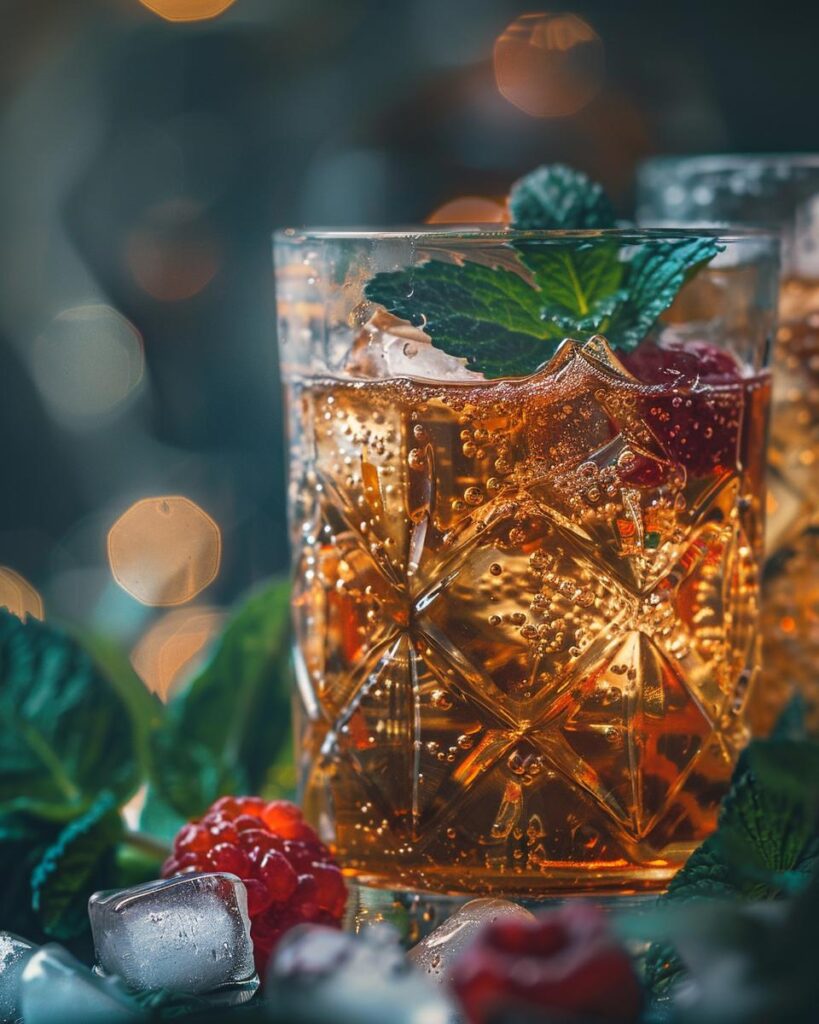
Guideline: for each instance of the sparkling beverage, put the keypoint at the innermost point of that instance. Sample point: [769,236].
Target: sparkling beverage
[525,609]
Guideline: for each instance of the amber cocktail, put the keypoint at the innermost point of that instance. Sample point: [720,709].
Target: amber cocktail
[525,606]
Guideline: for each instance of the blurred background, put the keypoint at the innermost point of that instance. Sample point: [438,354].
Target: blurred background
[148,149]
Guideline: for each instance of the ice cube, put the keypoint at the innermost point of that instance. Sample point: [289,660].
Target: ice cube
[189,934]
[56,986]
[350,978]
[421,359]
[389,347]
[14,955]
[436,953]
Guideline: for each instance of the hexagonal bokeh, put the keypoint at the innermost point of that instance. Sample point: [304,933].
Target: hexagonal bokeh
[469,210]
[187,10]
[18,595]
[549,65]
[164,551]
[172,648]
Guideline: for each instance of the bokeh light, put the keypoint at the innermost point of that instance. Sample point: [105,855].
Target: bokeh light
[18,595]
[549,65]
[187,10]
[172,255]
[469,210]
[174,647]
[86,363]
[164,551]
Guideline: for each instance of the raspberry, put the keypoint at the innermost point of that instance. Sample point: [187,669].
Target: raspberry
[694,407]
[563,962]
[289,874]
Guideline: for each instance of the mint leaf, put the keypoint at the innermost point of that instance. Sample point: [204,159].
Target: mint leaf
[792,723]
[67,731]
[579,282]
[79,861]
[23,839]
[508,323]
[767,841]
[556,197]
[489,316]
[653,277]
[158,818]
[223,732]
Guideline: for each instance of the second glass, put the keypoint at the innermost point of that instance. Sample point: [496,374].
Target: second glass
[780,191]
[525,607]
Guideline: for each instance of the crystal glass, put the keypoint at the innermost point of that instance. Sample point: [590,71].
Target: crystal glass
[525,608]
[780,191]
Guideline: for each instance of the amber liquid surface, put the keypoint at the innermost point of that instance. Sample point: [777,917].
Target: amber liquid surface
[526,622]
[790,608]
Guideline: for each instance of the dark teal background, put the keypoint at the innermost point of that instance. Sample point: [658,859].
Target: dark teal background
[288,112]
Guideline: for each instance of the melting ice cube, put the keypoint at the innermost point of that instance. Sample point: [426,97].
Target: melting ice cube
[438,951]
[389,347]
[56,986]
[352,977]
[14,955]
[189,934]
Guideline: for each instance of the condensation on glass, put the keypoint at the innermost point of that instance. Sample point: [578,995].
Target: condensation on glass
[525,609]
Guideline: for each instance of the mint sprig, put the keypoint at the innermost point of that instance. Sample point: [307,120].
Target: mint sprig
[556,197]
[82,733]
[508,323]
[766,846]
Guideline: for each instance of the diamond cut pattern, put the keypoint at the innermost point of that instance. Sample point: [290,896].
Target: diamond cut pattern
[594,590]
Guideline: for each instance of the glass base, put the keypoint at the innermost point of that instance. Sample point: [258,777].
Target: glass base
[415,914]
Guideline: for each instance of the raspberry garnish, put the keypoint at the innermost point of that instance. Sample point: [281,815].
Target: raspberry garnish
[697,416]
[562,962]
[290,875]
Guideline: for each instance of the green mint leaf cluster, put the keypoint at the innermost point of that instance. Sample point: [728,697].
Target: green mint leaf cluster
[82,734]
[509,322]
[222,733]
[65,724]
[766,846]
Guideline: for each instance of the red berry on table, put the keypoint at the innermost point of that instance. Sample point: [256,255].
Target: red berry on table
[289,874]
[563,962]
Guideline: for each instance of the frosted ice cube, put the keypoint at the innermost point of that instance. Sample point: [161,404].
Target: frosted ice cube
[14,955]
[421,359]
[436,953]
[56,986]
[189,934]
[389,347]
[351,977]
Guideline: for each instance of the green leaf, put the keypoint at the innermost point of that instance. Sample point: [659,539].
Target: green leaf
[222,733]
[766,845]
[146,709]
[489,316]
[67,731]
[80,860]
[158,818]
[579,282]
[556,197]
[505,323]
[654,276]
[792,723]
[23,839]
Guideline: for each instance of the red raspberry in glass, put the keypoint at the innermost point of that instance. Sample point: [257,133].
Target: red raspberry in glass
[695,406]
[564,962]
[290,875]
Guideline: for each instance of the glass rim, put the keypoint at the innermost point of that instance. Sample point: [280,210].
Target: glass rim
[483,232]
[727,162]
